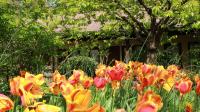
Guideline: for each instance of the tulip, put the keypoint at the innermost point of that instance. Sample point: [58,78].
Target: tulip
[184,85]
[100,82]
[96,108]
[149,102]
[41,107]
[18,85]
[169,83]
[188,107]
[27,87]
[116,73]
[145,81]
[78,100]
[76,76]
[87,82]
[173,70]
[36,79]
[21,87]
[101,70]
[197,80]
[146,69]
[66,89]
[58,81]
[5,103]
[57,77]
[135,65]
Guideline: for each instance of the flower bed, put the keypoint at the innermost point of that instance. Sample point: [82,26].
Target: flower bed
[123,87]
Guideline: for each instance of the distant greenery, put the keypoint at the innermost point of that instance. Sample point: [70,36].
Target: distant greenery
[84,63]
[169,56]
[194,59]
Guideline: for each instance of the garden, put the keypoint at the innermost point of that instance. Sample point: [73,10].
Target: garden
[99,56]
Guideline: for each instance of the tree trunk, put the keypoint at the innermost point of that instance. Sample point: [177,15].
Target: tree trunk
[152,46]
[127,52]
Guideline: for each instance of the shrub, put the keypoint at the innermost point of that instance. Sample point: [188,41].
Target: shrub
[84,63]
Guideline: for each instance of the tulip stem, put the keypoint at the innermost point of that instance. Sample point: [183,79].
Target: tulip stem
[16,100]
[180,103]
[113,100]
[196,103]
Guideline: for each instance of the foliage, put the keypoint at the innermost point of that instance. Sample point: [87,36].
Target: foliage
[168,56]
[26,41]
[4,86]
[79,62]
[194,58]
[147,21]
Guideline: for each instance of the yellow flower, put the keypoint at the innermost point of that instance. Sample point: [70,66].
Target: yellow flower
[36,79]
[169,83]
[78,100]
[41,107]
[27,87]
[101,70]
[5,103]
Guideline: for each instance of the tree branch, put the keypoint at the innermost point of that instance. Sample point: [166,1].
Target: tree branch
[163,21]
[135,31]
[139,24]
[153,17]
[124,19]
[148,10]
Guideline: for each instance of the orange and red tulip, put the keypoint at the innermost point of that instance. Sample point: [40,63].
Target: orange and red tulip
[58,81]
[27,87]
[101,70]
[36,79]
[146,69]
[197,80]
[76,76]
[86,82]
[5,103]
[41,107]
[184,85]
[173,70]
[145,81]
[149,102]
[188,107]
[96,108]
[20,87]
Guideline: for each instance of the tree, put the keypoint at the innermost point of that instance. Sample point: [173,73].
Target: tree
[147,21]
[28,38]
[150,20]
